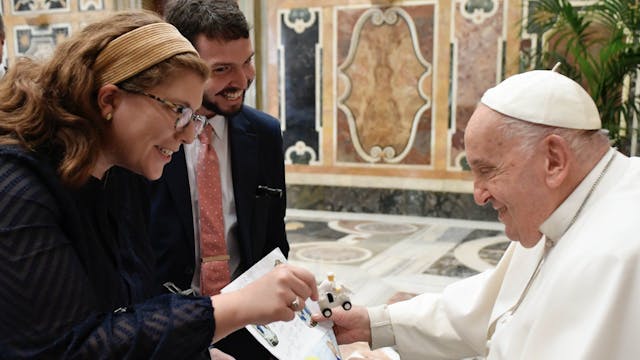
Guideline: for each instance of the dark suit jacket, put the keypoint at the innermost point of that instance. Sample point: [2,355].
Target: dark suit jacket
[257,159]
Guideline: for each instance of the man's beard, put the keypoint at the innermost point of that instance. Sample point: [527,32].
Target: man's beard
[211,106]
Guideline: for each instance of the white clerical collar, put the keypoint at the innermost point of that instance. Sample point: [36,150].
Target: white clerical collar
[219,125]
[562,218]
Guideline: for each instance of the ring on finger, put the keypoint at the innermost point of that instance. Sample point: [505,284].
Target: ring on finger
[295,304]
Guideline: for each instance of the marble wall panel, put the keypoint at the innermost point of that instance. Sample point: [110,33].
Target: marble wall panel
[26,7]
[399,80]
[437,204]
[3,58]
[35,27]
[477,64]
[384,63]
[300,62]
[39,41]
[90,5]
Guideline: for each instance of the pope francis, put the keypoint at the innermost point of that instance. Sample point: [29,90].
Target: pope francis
[568,287]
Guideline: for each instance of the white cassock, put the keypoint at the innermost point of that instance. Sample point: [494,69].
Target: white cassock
[584,303]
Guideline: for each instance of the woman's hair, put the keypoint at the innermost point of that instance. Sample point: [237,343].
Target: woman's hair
[52,106]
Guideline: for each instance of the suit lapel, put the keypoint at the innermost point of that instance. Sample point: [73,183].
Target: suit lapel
[244,163]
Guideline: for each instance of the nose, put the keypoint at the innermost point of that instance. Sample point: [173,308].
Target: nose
[244,76]
[480,193]
[188,134]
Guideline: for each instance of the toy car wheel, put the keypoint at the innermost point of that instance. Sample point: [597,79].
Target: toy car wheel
[346,305]
[326,313]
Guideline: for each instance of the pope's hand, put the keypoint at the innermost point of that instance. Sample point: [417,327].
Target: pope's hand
[349,326]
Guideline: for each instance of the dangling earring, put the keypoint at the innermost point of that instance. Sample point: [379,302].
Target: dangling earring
[108,117]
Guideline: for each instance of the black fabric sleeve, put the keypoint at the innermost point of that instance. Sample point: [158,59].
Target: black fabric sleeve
[48,308]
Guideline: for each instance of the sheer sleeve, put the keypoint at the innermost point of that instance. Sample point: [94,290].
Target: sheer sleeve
[49,309]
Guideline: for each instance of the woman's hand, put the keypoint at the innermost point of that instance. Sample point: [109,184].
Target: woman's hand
[219,355]
[268,299]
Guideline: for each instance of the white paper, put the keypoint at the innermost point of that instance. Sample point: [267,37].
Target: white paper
[299,338]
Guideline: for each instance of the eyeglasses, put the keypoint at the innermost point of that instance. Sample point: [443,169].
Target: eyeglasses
[185,113]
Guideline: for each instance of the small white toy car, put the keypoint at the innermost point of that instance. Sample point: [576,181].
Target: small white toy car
[333,294]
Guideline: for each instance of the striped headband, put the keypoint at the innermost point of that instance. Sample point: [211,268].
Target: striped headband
[137,50]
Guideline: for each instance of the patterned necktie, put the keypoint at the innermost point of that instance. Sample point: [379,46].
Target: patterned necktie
[214,269]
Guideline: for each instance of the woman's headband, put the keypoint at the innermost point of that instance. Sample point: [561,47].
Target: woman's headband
[137,50]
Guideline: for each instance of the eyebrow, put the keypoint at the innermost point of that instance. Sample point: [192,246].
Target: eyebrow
[475,163]
[231,63]
[181,103]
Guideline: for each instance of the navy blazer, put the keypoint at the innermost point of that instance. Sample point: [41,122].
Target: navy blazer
[257,159]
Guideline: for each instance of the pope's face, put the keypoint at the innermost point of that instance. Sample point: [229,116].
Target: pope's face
[506,177]
[232,72]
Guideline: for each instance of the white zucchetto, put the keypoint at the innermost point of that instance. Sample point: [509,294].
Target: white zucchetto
[544,97]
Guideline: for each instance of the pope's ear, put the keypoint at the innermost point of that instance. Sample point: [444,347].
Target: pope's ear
[558,159]
[107,98]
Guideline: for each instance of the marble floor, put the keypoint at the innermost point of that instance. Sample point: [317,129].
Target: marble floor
[386,258]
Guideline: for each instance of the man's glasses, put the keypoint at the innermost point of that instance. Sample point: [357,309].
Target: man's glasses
[185,113]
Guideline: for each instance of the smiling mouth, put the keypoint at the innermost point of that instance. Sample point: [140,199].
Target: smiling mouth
[165,152]
[232,95]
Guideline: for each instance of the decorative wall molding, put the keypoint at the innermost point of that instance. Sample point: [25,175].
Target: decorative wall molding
[90,5]
[477,63]
[301,150]
[26,7]
[39,41]
[300,83]
[299,19]
[381,152]
[402,127]
[478,10]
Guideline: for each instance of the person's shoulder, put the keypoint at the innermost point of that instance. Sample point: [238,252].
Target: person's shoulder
[258,122]
[256,116]
[23,174]
[16,159]
[15,151]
